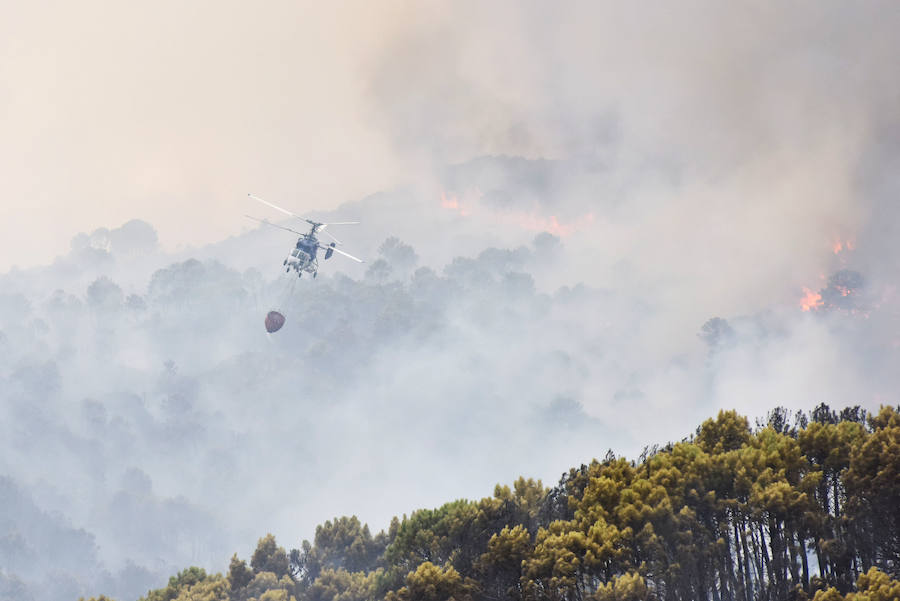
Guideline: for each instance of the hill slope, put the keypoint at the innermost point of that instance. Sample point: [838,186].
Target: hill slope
[807,508]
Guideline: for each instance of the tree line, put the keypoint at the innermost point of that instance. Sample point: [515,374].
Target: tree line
[803,506]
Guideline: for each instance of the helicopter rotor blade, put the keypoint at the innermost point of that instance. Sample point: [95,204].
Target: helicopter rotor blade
[281,227]
[322,231]
[340,252]
[321,226]
[317,226]
[329,234]
[276,207]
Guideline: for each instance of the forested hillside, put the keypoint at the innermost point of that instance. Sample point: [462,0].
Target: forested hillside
[117,364]
[799,507]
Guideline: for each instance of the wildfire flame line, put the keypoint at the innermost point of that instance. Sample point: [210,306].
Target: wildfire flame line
[841,245]
[811,301]
[528,221]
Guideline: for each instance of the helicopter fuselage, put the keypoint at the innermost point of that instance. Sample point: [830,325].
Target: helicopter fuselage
[304,256]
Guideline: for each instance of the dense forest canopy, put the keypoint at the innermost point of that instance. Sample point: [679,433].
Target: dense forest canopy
[803,506]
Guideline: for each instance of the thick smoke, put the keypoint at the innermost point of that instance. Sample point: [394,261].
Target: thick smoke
[155,424]
[160,426]
[608,226]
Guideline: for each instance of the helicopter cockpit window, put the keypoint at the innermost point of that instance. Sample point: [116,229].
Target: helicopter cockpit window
[295,252]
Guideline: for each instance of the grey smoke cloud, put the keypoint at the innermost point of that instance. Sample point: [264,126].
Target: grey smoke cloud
[744,129]
[696,163]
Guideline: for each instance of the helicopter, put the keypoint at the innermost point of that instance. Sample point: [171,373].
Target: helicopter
[303,258]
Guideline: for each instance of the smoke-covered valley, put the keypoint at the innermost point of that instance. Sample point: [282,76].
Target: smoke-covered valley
[149,422]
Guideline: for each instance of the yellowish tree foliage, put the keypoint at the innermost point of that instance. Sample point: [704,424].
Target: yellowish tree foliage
[269,557]
[628,587]
[432,583]
[341,585]
[268,583]
[874,585]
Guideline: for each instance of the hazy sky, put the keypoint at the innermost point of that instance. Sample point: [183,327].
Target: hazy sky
[173,111]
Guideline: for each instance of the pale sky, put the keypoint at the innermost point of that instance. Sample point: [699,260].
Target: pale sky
[171,112]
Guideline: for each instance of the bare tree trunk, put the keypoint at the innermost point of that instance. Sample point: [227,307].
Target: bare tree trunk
[837,505]
[778,569]
[748,591]
[792,553]
[823,565]
[804,560]
[758,564]
[765,555]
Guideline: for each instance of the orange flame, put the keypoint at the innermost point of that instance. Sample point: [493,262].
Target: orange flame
[811,300]
[452,203]
[551,224]
[842,245]
[449,203]
[532,221]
